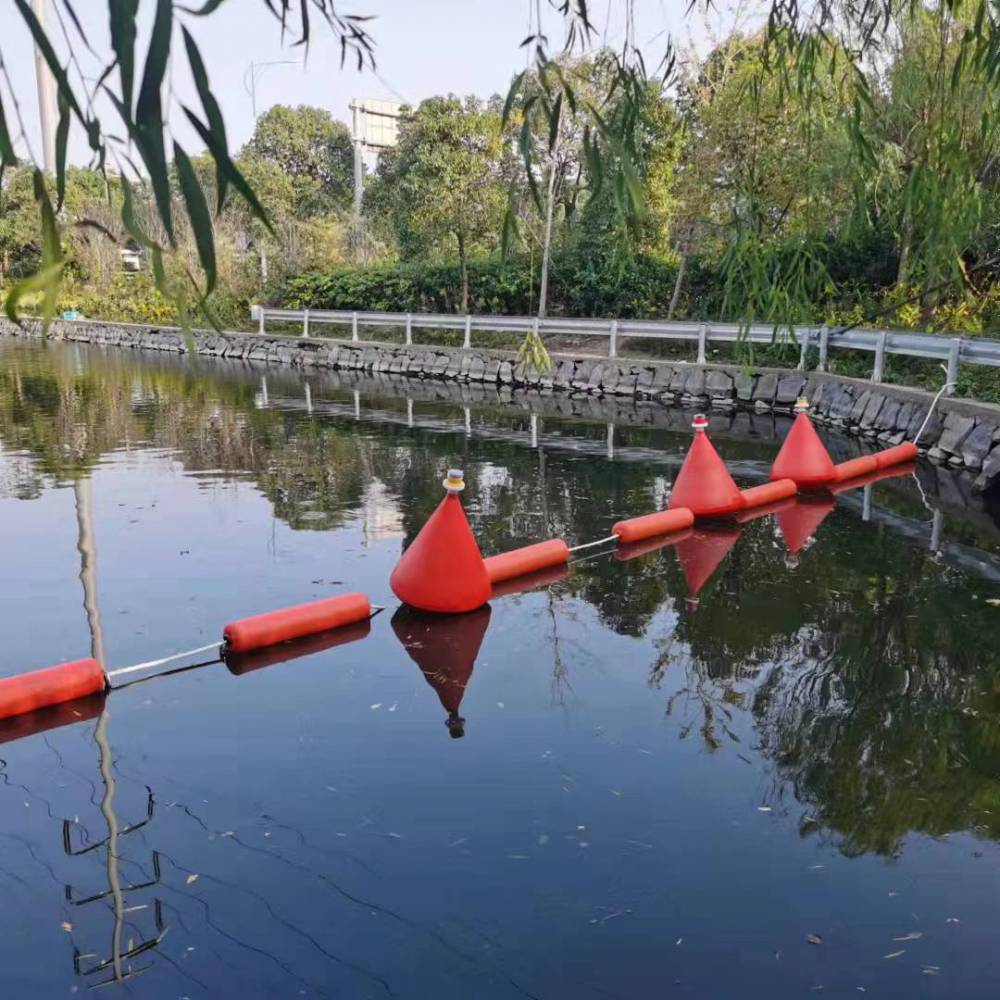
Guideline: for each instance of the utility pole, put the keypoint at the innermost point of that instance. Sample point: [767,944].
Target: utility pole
[359,181]
[46,97]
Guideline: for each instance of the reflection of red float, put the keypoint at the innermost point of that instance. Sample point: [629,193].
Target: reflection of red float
[445,648]
[704,485]
[530,581]
[803,458]
[443,570]
[636,549]
[800,521]
[274,627]
[876,476]
[518,562]
[257,659]
[700,555]
[54,717]
[51,686]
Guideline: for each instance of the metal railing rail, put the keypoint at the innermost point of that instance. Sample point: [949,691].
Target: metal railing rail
[951,350]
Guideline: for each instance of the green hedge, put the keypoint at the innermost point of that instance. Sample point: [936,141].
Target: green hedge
[579,285]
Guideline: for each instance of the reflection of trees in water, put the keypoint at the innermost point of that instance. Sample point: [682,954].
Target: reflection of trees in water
[872,678]
[874,686]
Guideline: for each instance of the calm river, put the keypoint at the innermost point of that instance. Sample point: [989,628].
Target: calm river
[717,770]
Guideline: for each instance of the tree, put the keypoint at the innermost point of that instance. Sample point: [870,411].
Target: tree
[442,186]
[312,150]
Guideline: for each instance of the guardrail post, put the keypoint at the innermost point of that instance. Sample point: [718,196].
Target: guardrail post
[879,358]
[467,343]
[260,321]
[305,323]
[806,339]
[409,328]
[613,339]
[702,343]
[354,326]
[953,360]
[824,346]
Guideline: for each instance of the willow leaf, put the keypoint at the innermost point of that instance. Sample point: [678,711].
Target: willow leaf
[8,157]
[62,134]
[198,213]
[224,161]
[216,123]
[122,14]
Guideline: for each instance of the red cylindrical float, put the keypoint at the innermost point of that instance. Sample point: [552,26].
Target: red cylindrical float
[269,656]
[855,467]
[528,559]
[905,452]
[293,623]
[624,552]
[530,581]
[893,472]
[780,489]
[52,686]
[663,522]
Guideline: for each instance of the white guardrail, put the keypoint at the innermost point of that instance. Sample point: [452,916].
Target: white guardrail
[951,350]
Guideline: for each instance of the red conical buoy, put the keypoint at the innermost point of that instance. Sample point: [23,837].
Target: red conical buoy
[700,555]
[704,485]
[803,458]
[443,570]
[445,648]
[801,521]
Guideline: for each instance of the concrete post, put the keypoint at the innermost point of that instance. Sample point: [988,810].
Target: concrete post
[613,339]
[354,326]
[954,355]
[409,328]
[879,371]
[305,323]
[467,343]
[824,346]
[702,343]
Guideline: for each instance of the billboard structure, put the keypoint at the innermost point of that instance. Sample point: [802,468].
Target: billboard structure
[374,127]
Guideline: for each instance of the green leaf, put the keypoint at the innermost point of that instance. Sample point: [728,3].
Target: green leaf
[216,123]
[62,134]
[224,162]
[8,158]
[198,213]
[207,8]
[515,89]
[148,124]
[122,14]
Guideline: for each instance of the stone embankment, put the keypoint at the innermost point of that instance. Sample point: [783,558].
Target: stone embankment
[962,433]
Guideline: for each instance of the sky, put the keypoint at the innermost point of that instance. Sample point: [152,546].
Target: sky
[423,48]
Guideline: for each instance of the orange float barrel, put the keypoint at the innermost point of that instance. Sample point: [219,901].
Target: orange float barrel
[803,457]
[663,522]
[528,559]
[905,452]
[768,493]
[855,467]
[443,570]
[704,485]
[51,686]
[273,627]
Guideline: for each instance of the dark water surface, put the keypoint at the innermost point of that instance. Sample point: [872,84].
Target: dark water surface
[790,786]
